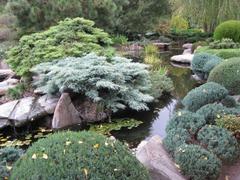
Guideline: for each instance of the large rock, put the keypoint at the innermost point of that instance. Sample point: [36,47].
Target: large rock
[4,123]
[184,58]
[188,46]
[155,158]
[4,73]
[22,110]
[6,85]
[65,113]
[43,106]
[5,111]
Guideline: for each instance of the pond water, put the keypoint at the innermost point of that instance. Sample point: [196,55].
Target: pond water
[157,118]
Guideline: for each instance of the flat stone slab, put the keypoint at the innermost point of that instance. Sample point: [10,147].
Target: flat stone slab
[155,158]
[184,58]
[7,108]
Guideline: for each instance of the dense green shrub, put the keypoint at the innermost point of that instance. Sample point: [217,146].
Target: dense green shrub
[71,37]
[160,84]
[227,74]
[84,155]
[189,35]
[203,63]
[229,122]
[228,29]
[212,111]
[115,82]
[197,163]
[223,53]
[205,94]
[175,138]
[192,122]
[219,141]
[8,156]
[119,40]
[229,101]
[17,91]
[225,43]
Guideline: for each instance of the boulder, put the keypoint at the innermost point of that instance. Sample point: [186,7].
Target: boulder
[6,85]
[7,108]
[4,73]
[65,113]
[4,123]
[187,46]
[187,51]
[184,58]
[21,111]
[155,158]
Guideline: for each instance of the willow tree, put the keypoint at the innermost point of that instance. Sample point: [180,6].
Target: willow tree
[207,13]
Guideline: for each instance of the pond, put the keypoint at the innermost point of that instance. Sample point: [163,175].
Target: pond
[155,120]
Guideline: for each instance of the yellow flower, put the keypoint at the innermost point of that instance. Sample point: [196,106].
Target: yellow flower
[96,146]
[45,156]
[34,156]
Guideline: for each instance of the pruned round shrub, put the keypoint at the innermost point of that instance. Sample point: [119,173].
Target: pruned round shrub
[229,122]
[219,141]
[197,163]
[229,101]
[73,155]
[203,63]
[175,138]
[190,121]
[213,111]
[227,74]
[71,37]
[205,94]
[115,83]
[228,29]
[8,156]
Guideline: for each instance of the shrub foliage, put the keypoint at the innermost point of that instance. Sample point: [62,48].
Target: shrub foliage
[192,122]
[228,29]
[115,83]
[227,74]
[203,63]
[230,122]
[220,142]
[71,37]
[84,155]
[197,163]
[205,94]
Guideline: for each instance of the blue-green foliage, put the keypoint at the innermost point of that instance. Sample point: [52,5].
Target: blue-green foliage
[175,138]
[116,83]
[74,155]
[197,163]
[192,122]
[205,94]
[229,101]
[219,141]
[203,63]
[8,156]
[212,111]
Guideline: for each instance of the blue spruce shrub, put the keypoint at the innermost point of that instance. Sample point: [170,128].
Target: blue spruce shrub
[213,111]
[74,155]
[189,121]
[115,83]
[219,141]
[197,163]
[175,138]
[203,63]
[8,156]
[205,94]
[229,101]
